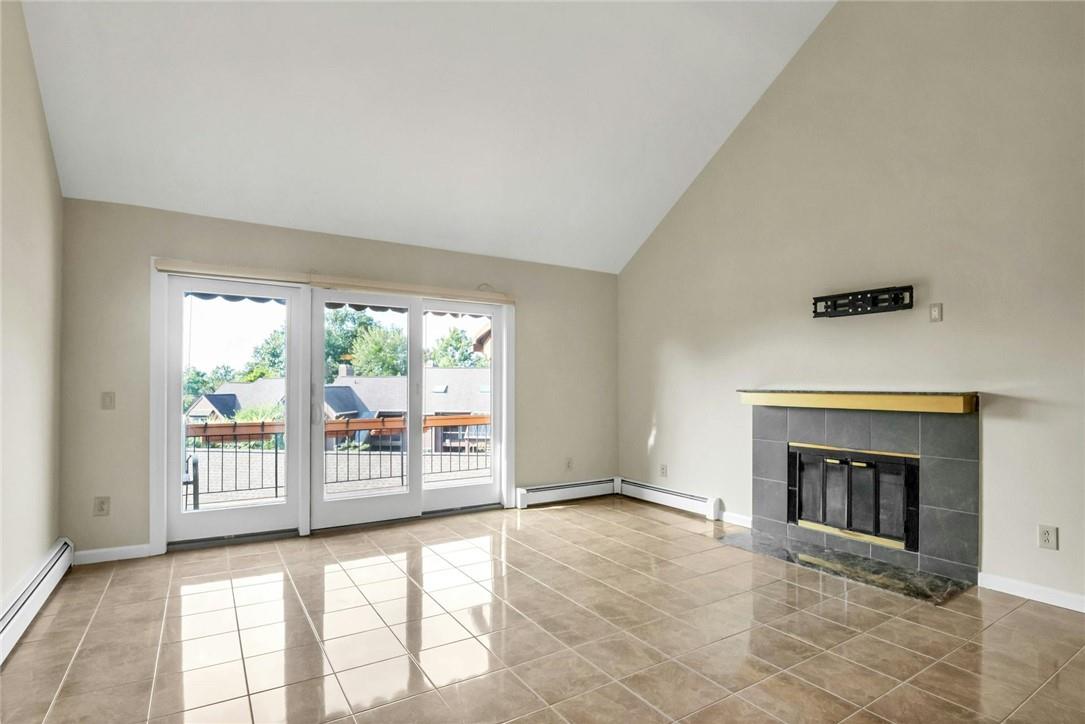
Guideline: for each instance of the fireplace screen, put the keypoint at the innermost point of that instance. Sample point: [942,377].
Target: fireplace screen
[859,495]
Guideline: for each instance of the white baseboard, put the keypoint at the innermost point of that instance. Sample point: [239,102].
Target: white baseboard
[20,611]
[120,553]
[1024,589]
[745,521]
[708,507]
[538,494]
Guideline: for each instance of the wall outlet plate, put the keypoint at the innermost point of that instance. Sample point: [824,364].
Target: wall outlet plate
[662,471]
[101,506]
[109,400]
[936,312]
[1048,537]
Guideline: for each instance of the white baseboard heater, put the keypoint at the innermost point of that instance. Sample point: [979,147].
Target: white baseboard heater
[564,491]
[708,507]
[31,596]
[699,504]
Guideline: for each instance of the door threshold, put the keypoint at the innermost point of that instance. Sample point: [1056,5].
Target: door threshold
[229,540]
[424,516]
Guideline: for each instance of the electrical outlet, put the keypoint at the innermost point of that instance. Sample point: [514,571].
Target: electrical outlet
[568,463]
[662,471]
[101,506]
[936,312]
[1048,537]
[109,400]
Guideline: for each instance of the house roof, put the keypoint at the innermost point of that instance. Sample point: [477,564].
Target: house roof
[341,401]
[226,405]
[446,390]
[258,393]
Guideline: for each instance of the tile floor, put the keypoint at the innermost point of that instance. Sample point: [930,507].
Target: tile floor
[598,611]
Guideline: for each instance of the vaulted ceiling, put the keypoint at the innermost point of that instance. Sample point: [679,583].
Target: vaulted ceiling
[549,132]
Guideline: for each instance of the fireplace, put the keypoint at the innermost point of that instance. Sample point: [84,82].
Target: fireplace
[865,496]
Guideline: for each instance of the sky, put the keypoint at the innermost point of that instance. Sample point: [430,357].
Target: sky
[218,332]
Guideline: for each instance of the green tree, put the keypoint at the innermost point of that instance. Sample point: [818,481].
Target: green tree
[268,358]
[195,383]
[341,327]
[261,413]
[221,375]
[456,349]
[380,351]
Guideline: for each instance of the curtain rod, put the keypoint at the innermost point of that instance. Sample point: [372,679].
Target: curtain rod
[326,281]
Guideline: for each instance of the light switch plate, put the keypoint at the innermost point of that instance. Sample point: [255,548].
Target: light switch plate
[101,506]
[109,400]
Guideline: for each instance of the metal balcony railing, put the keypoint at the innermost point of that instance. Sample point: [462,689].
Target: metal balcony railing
[238,463]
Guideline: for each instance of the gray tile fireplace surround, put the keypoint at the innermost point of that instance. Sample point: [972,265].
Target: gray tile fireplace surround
[948,449]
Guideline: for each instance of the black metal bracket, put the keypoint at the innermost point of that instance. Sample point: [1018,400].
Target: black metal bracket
[870,301]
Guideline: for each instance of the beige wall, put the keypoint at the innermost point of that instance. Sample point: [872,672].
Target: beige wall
[566,322]
[29,314]
[934,144]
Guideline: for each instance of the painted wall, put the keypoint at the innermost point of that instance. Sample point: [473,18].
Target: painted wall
[30,239]
[936,144]
[566,325]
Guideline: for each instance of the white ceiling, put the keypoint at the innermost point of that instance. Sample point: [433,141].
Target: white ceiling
[546,132]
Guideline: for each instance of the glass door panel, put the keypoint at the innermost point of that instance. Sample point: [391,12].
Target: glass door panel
[362,462]
[458,388]
[232,466]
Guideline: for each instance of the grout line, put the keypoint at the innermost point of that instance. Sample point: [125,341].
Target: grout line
[161,637]
[1045,683]
[79,645]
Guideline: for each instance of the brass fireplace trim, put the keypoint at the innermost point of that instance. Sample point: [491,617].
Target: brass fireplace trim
[959,403]
[813,446]
[854,535]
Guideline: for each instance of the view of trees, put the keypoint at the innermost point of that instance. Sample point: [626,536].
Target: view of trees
[374,350]
[456,349]
[379,352]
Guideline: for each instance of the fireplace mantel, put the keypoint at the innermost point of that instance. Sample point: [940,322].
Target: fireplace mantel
[960,403]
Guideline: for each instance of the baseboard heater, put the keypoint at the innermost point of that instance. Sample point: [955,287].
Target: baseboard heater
[564,491]
[708,507]
[21,611]
[699,504]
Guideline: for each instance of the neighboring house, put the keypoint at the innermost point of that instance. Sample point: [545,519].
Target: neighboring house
[448,392]
[231,397]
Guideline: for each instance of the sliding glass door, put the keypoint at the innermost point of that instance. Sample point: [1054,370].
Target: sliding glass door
[461,405]
[289,407]
[235,438]
[406,407]
[365,361]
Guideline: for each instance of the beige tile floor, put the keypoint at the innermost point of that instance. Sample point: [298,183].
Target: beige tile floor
[605,610]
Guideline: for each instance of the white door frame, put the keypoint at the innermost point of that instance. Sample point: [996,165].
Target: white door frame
[165,412]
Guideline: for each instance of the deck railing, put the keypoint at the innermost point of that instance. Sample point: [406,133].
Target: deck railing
[234,463]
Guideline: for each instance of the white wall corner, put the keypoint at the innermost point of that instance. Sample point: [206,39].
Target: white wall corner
[617,486]
[1033,591]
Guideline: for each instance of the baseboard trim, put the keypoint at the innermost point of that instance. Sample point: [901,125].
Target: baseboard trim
[1033,591]
[745,521]
[538,494]
[120,553]
[708,507]
[33,594]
